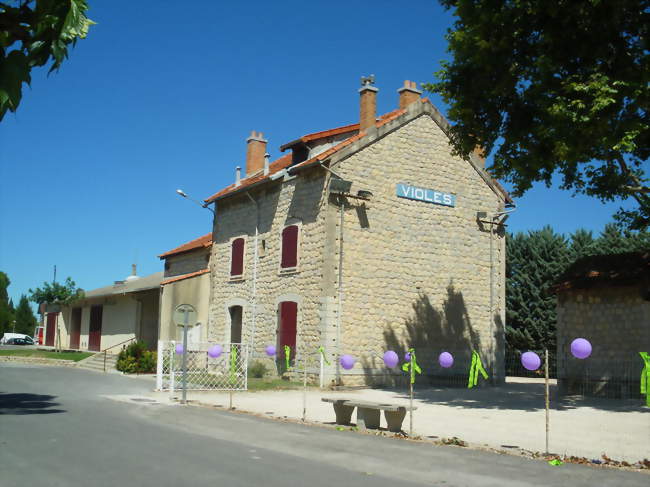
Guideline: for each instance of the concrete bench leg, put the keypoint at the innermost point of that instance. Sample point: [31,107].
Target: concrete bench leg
[394,420]
[368,418]
[343,413]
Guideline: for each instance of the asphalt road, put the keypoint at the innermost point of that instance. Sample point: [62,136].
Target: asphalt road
[71,427]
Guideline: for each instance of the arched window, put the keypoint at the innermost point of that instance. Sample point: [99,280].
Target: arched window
[237,257]
[289,258]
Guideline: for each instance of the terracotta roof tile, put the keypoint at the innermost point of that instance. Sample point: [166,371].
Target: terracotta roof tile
[285,161]
[276,166]
[201,242]
[184,276]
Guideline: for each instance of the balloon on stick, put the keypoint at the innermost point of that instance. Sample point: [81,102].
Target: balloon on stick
[580,348]
[270,350]
[446,360]
[179,349]
[530,360]
[407,357]
[391,359]
[347,361]
[215,351]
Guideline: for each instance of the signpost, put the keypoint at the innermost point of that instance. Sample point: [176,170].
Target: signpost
[183,315]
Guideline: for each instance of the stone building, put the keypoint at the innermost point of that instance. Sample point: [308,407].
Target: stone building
[363,238]
[606,300]
[186,281]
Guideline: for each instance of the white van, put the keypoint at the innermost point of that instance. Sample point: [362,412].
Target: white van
[7,336]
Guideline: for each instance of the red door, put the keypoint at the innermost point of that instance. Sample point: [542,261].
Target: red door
[75,328]
[95,331]
[288,320]
[50,331]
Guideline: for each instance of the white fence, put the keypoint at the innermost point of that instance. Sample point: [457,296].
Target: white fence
[210,367]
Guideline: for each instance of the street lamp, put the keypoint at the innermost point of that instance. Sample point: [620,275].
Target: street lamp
[182,193]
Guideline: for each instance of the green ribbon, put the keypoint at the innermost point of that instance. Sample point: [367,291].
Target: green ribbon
[645,377]
[555,462]
[474,369]
[321,349]
[233,364]
[287,355]
[412,366]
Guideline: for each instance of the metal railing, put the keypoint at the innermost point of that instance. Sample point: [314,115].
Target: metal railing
[116,345]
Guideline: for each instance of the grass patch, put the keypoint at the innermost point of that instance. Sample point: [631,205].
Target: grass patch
[268,384]
[74,356]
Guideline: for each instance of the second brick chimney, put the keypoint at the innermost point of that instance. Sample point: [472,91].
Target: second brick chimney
[368,102]
[408,94]
[255,153]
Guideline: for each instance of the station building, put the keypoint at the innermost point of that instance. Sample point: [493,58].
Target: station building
[360,239]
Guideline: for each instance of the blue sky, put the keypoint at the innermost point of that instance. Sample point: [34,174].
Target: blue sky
[162,95]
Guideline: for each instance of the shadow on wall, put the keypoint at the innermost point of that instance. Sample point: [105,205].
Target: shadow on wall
[28,404]
[430,331]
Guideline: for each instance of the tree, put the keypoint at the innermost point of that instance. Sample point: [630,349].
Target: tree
[33,33]
[25,319]
[6,307]
[533,262]
[55,293]
[554,88]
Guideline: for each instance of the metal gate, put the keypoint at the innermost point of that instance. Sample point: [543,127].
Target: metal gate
[210,366]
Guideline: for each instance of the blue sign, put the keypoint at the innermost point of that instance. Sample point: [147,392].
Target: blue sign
[427,195]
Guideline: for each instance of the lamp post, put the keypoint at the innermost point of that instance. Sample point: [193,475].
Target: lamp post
[182,193]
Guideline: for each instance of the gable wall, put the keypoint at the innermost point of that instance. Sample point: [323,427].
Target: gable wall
[419,275]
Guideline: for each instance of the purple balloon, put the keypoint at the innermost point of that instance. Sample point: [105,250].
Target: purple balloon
[215,351]
[446,360]
[347,361]
[407,357]
[391,359]
[530,360]
[580,348]
[270,350]
[179,349]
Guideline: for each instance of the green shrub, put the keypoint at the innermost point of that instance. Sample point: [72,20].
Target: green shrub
[136,359]
[257,370]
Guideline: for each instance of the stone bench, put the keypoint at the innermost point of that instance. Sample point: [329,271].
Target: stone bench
[368,413]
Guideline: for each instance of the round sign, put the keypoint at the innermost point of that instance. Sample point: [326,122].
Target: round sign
[180,312]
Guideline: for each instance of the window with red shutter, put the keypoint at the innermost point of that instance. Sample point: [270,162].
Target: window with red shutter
[237,257]
[289,247]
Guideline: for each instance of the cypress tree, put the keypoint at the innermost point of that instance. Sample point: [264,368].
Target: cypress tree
[24,316]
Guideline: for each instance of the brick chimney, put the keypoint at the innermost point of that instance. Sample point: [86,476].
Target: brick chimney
[408,94]
[368,105]
[255,153]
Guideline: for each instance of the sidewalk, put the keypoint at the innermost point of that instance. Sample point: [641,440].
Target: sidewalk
[507,417]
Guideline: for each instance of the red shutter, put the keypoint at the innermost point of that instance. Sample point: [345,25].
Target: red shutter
[290,247]
[288,320]
[237,257]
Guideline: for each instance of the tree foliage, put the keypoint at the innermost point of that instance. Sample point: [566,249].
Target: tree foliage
[25,319]
[35,33]
[6,307]
[55,293]
[554,88]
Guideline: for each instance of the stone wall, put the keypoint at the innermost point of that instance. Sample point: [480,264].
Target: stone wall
[177,265]
[616,321]
[296,200]
[415,273]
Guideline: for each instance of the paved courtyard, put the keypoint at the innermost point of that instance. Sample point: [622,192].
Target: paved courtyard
[505,418]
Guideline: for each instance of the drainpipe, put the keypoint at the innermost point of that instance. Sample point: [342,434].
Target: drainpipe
[255,258]
[340,300]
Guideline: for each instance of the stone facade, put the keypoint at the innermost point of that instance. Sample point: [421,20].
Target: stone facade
[413,274]
[187,262]
[616,321]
